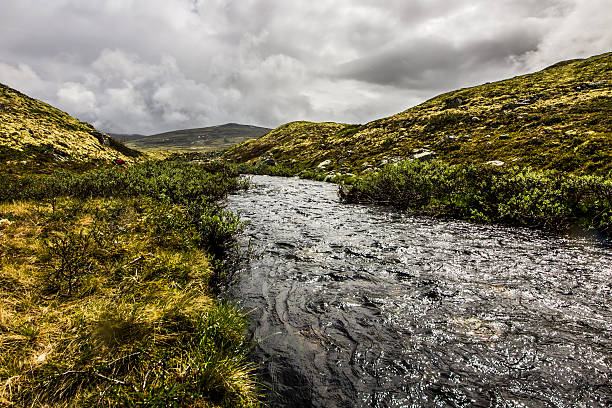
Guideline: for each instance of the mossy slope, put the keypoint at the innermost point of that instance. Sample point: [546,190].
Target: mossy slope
[558,118]
[33,130]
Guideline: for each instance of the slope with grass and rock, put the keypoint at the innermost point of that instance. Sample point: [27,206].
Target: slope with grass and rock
[559,118]
[31,130]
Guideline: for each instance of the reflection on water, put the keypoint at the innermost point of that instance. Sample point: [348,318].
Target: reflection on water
[360,306]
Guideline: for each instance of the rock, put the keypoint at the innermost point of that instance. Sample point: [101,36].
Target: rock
[444,139]
[590,85]
[453,103]
[426,155]
[323,165]
[4,223]
[495,163]
[519,103]
[267,159]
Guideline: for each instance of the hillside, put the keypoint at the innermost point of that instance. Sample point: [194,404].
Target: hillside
[125,137]
[557,118]
[200,139]
[33,130]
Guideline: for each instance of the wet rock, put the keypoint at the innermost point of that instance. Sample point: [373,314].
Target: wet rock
[330,177]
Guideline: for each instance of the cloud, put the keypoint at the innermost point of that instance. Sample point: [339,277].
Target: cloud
[148,66]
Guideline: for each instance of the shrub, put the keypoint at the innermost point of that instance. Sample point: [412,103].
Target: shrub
[515,196]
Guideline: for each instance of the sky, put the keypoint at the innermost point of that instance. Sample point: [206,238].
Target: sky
[148,66]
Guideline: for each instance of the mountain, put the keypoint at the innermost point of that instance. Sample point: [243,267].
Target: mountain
[33,130]
[200,139]
[124,137]
[558,118]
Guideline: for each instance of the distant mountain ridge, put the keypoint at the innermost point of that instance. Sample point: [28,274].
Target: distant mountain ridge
[558,118]
[33,130]
[200,139]
[124,137]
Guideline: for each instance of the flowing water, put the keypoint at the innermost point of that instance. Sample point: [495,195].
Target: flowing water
[362,306]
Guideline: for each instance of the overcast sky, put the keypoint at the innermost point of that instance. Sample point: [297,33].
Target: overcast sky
[147,66]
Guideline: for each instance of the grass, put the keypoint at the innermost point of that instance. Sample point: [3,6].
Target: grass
[108,286]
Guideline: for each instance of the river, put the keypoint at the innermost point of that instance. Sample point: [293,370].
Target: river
[362,306]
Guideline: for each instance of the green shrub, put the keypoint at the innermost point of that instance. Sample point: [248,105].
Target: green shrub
[513,196]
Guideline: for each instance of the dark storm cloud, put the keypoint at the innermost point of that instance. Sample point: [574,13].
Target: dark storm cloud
[153,65]
[425,63]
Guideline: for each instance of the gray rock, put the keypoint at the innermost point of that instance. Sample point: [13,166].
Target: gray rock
[495,163]
[267,159]
[323,165]
[425,156]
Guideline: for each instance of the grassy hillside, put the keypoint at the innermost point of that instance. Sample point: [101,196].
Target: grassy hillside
[201,139]
[559,118]
[33,130]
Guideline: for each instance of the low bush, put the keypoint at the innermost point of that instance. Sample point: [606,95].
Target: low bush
[514,196]
[177,182]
